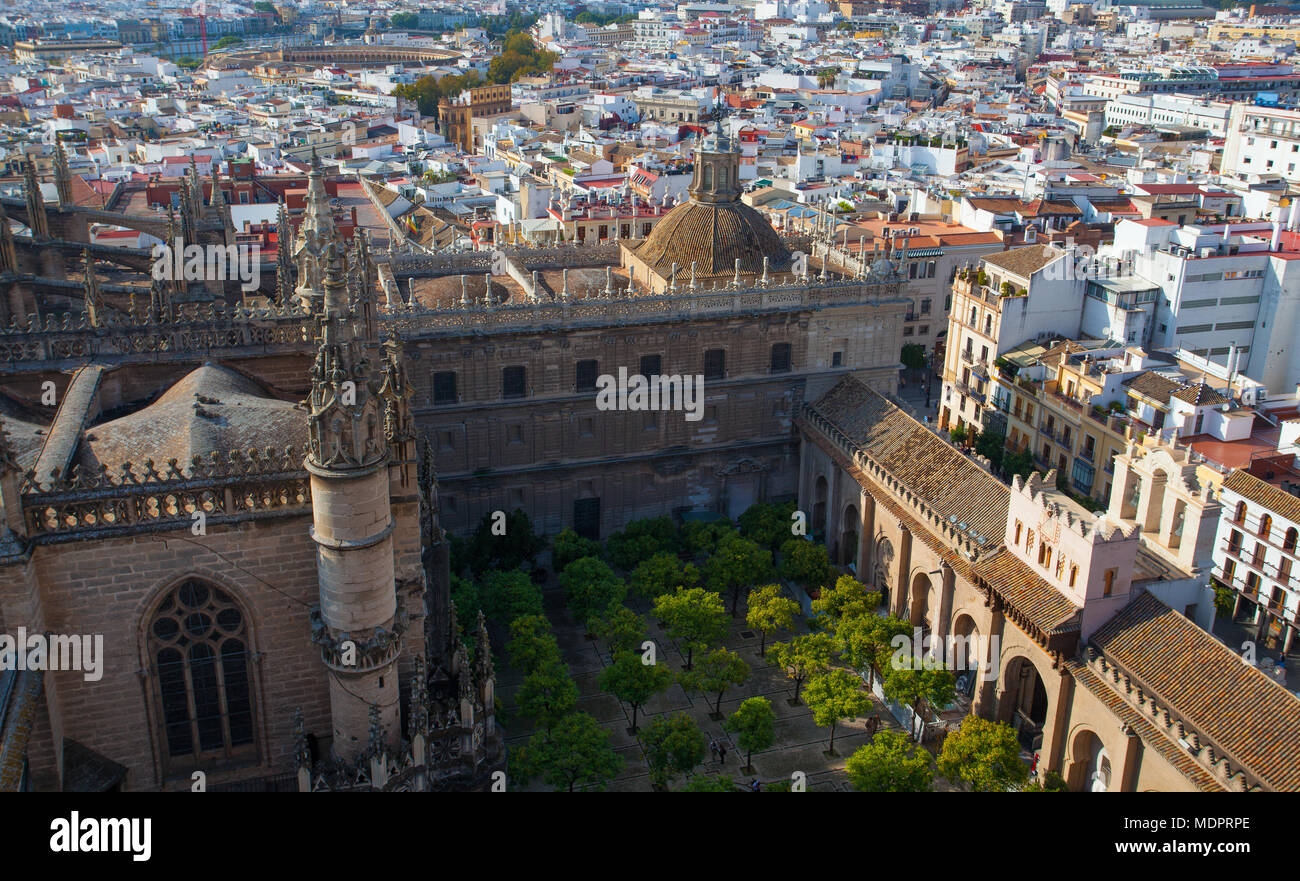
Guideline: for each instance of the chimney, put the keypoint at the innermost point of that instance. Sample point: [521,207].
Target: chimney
[1276,242]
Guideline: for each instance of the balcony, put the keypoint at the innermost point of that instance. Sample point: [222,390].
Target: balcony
[1056,396]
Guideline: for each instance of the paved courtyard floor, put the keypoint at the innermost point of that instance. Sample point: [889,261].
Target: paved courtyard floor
[800,744]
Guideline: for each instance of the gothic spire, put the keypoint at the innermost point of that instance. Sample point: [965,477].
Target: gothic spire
[94,300]
[283,258]
[36,219]
[8,255]
[344,428]
[483,668]
[62,174]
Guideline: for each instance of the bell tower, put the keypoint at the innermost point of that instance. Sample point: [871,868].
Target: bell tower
[359,623]
[717,169]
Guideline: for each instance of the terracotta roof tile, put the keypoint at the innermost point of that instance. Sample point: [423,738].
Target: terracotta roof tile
[1278,501]
[1024,261]
[1045,606]
[949,483]
[1244,714]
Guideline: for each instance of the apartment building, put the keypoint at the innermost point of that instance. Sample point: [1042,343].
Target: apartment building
[1170,110]
[1226,291]
[1008,297]
[1064,402]
[1255,555]
[1262,141]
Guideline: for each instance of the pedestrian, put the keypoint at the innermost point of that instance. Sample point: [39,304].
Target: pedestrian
[722,753]
[753,786]
[713,748]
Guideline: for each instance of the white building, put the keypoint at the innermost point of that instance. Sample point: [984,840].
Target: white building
[1262,141]
[1255,554]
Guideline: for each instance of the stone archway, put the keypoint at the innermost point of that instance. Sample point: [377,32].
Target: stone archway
[848,544]
[1089,768]
[880,573]
[1024,703]
[963,654]
[919,602]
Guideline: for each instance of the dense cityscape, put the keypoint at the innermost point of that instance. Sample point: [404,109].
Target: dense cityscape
[766,395]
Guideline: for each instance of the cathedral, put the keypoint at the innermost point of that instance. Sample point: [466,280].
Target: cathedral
[225,514]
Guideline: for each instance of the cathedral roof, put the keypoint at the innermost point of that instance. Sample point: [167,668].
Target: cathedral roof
[713,235]
[951,484]
[212,409]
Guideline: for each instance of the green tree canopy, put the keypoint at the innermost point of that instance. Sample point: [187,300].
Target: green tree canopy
[990,445]
[919,681]
[507,595]
[1051,782]
[985,755]
[1018,462]
[227,42]
[640,540]
[736,563]
[520,57]
[770,609]
[694,616]
[547,694]
[709,783]
[889,763]
[702,538]
[717,671]
[803,656]
[849,598]
[754,724]
[532,644]
[864,642]
[622,629]
[634,682]
[569,546]
[913,356]
[663,573]
[834,696]
[590,588]
[673,745]
[405,20]
[504,547]
[427,90]
[806,563]
[766,524]
[575,752]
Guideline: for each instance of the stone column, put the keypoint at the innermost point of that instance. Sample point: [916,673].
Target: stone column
[943,621]
[985,705]
[898,602]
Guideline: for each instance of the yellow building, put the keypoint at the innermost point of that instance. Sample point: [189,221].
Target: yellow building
[1057,403]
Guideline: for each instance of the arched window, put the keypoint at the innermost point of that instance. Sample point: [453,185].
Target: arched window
[1074,575]
[1018,527]
[708,177]
[1265,526]
[1241,512]
[722,177]
[1288,543]
[199,655]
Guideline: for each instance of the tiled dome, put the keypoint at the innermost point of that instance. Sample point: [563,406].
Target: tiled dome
[713,235]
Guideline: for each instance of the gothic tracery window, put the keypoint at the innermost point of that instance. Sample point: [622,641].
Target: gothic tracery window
[199,654]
